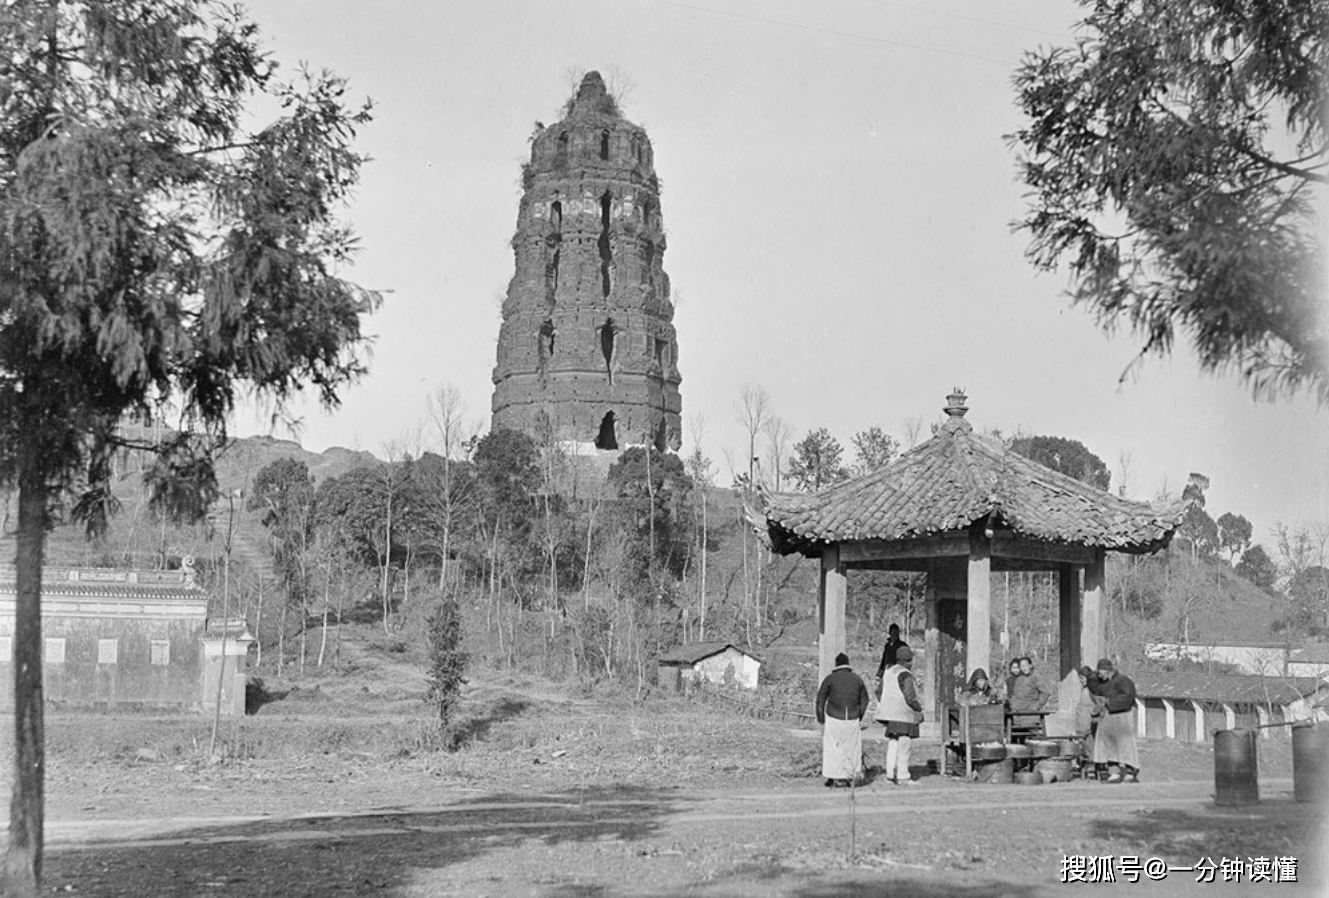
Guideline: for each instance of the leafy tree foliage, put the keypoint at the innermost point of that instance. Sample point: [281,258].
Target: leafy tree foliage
[1234,534]
[1257,567]
[873,449]
[1308,602]
[1070,457]
[653,509]
[446,663]
[283,493]
[154,251]
[817,461]
[507,470]
[1172,155]
[1197,527]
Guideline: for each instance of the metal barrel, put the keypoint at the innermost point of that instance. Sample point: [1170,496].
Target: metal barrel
[1310,762]
[1236,779]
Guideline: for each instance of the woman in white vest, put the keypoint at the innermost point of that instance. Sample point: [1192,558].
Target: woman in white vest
[901,711]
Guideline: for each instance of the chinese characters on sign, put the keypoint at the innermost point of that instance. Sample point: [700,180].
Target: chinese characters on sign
[1107,868]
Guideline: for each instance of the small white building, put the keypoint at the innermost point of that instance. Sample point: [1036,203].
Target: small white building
[722,663]
[1259,658]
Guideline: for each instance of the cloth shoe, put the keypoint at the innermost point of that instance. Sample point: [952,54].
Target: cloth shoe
[1113,779]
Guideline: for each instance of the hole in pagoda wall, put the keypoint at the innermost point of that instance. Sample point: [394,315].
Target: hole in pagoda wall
[545,346]
[608,336]
[606,255]
[607,439]
[604,144]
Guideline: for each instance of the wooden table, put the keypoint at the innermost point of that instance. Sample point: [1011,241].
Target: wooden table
[967,725]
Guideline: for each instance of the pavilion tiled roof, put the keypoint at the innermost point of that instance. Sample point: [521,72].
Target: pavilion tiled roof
[955,479]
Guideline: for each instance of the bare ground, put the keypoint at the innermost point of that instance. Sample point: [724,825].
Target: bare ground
[582,798]
[338,789]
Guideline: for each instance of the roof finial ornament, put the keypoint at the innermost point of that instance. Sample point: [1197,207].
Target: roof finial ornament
[955,410]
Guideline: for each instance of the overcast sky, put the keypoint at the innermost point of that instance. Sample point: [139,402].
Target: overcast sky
[838,198]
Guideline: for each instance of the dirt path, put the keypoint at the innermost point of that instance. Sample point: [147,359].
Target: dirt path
[943,838]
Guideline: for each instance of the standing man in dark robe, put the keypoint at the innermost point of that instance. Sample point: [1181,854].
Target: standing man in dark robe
[1114,743]
[842,701]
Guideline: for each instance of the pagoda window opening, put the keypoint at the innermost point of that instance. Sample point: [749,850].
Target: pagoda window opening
[661,352]
[556,215]
[608,335]
[551,270]
[606,254]
[604,144]
[606,439]
[546,342]
[661,440]
[561,153]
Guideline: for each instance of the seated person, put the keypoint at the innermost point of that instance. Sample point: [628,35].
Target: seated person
[979,691]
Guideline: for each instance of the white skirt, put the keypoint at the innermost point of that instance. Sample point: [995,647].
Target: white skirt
[841,749]
[1115,741]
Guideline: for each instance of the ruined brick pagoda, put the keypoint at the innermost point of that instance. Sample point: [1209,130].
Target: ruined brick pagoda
[587,352]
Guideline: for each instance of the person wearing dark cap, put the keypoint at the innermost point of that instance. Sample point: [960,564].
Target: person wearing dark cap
[1114,743]
[901,711]
[893,644]
[842,701]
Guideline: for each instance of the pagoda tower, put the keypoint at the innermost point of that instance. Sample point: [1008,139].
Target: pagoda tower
[587,352]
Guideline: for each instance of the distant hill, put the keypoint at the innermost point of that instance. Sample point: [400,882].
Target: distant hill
[135,540]
[1171,597]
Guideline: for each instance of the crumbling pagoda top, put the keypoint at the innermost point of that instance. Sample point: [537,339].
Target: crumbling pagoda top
[587,351]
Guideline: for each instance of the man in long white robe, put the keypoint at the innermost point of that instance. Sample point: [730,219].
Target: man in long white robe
[842,701]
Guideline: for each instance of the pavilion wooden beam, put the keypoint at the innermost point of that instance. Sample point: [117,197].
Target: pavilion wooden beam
[978,619]
[939,546]
[1091,609]
[832,593]
[917,566]
[1010,545]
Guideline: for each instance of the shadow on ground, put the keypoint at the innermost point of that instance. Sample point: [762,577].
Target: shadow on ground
[475,729]
[360,854]
[896,887]
[1269,829]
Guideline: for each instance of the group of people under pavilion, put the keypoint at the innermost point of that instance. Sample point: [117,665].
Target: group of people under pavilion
[960,507]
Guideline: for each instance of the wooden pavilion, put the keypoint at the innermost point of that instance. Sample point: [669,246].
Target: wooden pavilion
[960,507]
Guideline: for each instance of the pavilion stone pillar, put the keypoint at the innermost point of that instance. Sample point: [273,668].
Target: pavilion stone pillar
[1091,610]
[978,627]
[1069,621]
[832,592]
[931,649]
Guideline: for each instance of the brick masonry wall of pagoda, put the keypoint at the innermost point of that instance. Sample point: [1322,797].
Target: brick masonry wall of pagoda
[587,351]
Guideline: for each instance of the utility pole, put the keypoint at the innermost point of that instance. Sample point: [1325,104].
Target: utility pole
[226,611]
